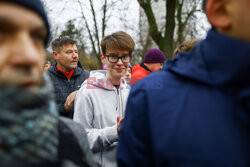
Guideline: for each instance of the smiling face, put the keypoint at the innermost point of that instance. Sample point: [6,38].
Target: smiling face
[21,46]
[67,58]
[118,69]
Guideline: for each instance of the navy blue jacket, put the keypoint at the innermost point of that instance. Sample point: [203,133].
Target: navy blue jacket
[63,87]
[194,113]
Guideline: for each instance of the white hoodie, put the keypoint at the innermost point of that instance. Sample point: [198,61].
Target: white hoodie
[97,105]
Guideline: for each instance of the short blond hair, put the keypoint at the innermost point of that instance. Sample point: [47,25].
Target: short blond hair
[118,40]
[185,46]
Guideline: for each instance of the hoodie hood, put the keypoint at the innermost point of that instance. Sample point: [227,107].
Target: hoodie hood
[97,79]
[219,61]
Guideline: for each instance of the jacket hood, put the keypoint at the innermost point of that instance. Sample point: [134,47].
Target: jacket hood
[219,60]
[97,79]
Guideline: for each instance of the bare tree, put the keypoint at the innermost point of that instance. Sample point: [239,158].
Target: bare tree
[178,14]
[94,19]
[98,31]
[185,14]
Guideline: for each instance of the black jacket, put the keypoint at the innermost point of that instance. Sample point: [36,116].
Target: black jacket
[73,143]
[63,87]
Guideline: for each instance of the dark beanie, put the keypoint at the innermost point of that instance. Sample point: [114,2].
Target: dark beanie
[154,56]
[36,6]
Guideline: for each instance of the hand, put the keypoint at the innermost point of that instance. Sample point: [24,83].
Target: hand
[119,121]
[70,101]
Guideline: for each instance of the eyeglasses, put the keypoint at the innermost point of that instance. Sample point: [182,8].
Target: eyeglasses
[113,58]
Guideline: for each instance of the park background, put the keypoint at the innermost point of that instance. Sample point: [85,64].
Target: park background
[162,24]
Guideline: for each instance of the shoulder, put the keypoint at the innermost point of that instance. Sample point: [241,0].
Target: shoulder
[85,72]
[140,73]
[87,90]
[73,142]
[82,71]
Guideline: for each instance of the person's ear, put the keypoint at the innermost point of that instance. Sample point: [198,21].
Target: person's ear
[55,55]
[219,13]
[102,59]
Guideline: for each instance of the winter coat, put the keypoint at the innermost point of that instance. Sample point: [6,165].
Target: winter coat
[73,143]
[195,112]
[97,105]
[64,86]
[138,72]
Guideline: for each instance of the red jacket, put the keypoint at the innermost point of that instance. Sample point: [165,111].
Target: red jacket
[138,72]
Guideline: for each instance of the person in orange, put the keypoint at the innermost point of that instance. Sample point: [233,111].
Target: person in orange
[153,62]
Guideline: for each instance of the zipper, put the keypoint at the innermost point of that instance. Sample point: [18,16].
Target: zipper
[118,102]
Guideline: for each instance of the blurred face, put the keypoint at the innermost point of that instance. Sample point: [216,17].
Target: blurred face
[118,69]
[46,67]
[154,67]
[67,58]
[240,15]
[230,17]
[127,75]
[22,53]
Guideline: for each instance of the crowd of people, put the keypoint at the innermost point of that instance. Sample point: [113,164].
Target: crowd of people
[193,110]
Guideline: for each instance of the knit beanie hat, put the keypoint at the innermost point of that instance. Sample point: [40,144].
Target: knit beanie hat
[36,6]
[154,56]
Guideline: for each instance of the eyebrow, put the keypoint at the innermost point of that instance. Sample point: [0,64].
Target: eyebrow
[118,54]
[9,23]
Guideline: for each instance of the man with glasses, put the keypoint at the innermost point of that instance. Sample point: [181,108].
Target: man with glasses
[101,101]
[67,74]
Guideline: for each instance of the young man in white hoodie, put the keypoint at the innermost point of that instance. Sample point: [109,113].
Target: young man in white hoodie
[100,102]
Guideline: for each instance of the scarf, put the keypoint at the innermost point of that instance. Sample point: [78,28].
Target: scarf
[29,124]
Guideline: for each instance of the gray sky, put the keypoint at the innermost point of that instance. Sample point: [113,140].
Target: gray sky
[61,11]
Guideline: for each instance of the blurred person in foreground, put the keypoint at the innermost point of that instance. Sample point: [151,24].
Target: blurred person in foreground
[67,74]
[195,112]
[30,133]
[100,102]
[153,62]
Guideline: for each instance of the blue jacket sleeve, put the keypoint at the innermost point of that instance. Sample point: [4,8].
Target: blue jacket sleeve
[134,139]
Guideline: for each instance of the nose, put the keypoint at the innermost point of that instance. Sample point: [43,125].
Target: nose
[24,51]
[120,61]
[75,55]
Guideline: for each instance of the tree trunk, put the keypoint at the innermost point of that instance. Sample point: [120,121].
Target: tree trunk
[170,26]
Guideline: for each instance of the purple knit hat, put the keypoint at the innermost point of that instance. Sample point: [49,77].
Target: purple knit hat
[154,56]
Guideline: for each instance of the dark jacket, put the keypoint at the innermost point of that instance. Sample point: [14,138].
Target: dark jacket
[63,87]
[195,112]
[73,143]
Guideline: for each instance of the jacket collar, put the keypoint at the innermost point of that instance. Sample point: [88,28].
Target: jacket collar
[145,67]
[77,70]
